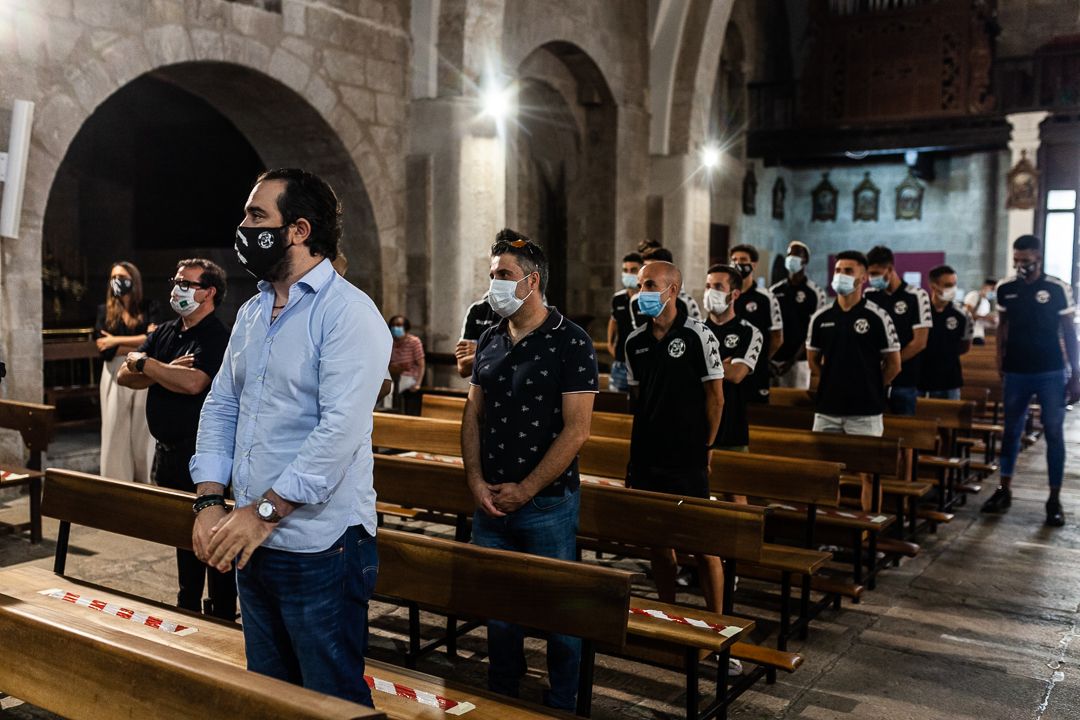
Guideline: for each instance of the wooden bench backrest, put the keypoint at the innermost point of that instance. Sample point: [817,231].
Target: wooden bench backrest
[439,573]
[776,478]
[83,670]
[978,395]
[950,414]
[406,432]
[913,433]
[586,601]
[858,453]
[442,407]
[36,423]
[607,513]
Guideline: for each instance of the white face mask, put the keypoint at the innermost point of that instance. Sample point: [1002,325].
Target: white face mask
[948,294]
[183,301]
[503,299]
[716,301]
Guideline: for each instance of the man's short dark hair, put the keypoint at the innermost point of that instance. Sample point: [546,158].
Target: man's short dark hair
[990,281]
[735,278]
[308,196]
[404,322]
[748,249]
[659,254]
[940,270]
[853,255]
[802,247]
[879,255]
[528,254]
[646,245]
[1028,242]
[632,257]
[212,275]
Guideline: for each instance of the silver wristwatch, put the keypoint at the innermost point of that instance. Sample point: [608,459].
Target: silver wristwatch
[266,510]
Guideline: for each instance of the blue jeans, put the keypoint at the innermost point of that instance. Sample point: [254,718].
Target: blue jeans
[544,526]
[618,377]
[1049,388]
[305,614]
[953,394]
[901,400]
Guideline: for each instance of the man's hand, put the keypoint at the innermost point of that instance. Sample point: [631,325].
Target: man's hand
[204,523]
[237,536]
[1072,390]
[132,358]
[186,361]
[508,497]
[105,341]
[464,348]
[484,495]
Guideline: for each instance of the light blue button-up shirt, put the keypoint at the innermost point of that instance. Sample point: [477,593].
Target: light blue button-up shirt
[290,409]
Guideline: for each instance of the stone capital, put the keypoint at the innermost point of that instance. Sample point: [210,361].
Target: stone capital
[1025,133]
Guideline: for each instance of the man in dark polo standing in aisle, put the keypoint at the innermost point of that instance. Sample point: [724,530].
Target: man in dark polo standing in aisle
[909,308]
[528,413]
[799,298]
[1035,320]
[758,307]
[177,363]
[676,390]
[941,376]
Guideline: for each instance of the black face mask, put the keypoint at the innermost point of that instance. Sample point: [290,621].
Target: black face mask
[260,249]
[120,286]
[1025,269]
[744,269]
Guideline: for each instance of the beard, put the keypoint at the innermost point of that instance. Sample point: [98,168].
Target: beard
[279,270]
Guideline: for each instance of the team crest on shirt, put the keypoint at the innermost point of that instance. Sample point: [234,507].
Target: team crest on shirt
[1042,296]
[800,297]
[951,323]
[676,348]
[862,326]
[900,307]
[751,307]
[731,341]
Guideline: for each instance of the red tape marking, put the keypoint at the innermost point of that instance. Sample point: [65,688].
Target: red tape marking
[450,707]
[725,630]
[121,612]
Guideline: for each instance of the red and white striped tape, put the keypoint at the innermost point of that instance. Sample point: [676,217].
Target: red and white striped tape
[450,707]
[121,612]
[725,630]
[12,476]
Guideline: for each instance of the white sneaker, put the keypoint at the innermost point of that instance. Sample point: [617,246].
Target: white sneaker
[734,667]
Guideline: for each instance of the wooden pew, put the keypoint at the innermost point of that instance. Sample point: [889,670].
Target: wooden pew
[36,424]
[590,602]
[66,659]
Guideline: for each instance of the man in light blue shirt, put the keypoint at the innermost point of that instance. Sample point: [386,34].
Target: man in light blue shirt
[288,423]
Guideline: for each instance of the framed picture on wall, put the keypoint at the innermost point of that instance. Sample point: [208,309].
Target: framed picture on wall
[823,207]
[779,191]
[1022,184]
[749,192]
[909,195]
[866,196]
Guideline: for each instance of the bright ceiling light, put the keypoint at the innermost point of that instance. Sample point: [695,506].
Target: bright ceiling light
[495,102]
[710,156]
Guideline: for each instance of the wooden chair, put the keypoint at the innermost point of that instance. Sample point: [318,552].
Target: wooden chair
[36,424]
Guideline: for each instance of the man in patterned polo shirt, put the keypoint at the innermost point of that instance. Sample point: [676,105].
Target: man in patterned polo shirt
[528,413]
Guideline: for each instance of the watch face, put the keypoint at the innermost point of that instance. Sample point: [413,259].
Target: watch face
[265,509]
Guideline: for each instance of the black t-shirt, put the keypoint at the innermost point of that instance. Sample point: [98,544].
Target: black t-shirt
[523,388]
[941,359]
[798,303]
[909,308]
[851,345]
[740,342]
[624,311]
[1034,311]
[478,318]
[669,415]
[759,308]
[172,416]
[150,312]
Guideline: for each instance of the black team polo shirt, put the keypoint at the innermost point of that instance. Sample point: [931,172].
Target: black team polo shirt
[624,311]
[851,345]
[523,387]
[941,362]
[798,303]
[174,417]
[909,308]
[740,342]
[669,418]
[478,318]
[1034,310]
[759,308]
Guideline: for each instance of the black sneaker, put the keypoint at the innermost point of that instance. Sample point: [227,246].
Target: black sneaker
[1055,516]
[999,502]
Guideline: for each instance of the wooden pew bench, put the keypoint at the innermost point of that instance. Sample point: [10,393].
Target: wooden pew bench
[36,424]
[589,602]
[88,664]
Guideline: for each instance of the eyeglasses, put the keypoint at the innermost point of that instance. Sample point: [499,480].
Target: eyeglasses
[186,285]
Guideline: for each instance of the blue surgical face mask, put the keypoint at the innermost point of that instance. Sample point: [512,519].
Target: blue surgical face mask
[843,284]
[991,296]
[879,282]
[629,280]
[793,263]
[397,331]
[649,302]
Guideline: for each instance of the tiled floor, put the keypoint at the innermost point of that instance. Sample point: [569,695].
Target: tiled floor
[984,624]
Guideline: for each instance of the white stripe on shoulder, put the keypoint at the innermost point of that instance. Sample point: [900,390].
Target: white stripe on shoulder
[710,346]
[1070,306]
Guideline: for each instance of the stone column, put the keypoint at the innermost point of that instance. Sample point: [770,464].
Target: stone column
[1024,139]
[684,185]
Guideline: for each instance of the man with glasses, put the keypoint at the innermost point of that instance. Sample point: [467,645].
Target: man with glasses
[528,413]
[177,363]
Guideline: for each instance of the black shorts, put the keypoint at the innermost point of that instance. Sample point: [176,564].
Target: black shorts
[692,482]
